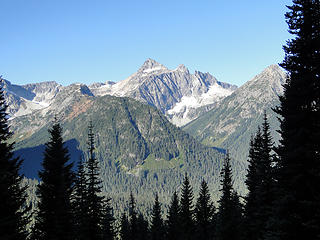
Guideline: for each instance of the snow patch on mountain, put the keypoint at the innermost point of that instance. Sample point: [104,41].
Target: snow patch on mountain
[153,69]
[214,94]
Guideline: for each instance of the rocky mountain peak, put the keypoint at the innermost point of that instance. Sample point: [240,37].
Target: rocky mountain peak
[273,71]
[273,75]
[150,66]
[182,68]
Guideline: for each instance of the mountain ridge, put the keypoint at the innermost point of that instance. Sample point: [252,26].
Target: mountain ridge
[153,83]
[232,123]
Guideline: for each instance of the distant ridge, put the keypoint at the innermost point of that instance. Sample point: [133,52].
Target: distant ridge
[231,124]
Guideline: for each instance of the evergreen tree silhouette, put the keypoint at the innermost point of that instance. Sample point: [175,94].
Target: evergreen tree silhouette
[252,179]
[297,207]
[99,217]
[229,214]
[157,228]
[124,228]
[142,228]
[108,220]
[13,218]
[173,226]
[186,210]
[54,216]
[133,218]
[260,183]
[204,214]
[80,204]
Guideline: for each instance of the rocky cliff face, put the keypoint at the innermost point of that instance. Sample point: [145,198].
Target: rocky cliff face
[28,98]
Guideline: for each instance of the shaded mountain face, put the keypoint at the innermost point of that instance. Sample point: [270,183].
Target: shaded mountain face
[232,123]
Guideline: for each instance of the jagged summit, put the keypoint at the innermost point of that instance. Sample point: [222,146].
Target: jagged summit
[182,68]
[151,65]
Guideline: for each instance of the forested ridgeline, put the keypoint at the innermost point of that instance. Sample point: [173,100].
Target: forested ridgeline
[283,182]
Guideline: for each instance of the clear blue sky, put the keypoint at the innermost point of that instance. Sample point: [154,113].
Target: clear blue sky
[94,41]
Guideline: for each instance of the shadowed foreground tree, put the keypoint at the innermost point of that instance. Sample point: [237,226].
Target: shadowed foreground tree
[13,210]
[157,228]
[296,211]
[80,205]
[204,214]
[124,228]
[186,210]
[142,228]
[133,216]
[99,217]
[54,216]
[229,215]
[260,183]
[173,219]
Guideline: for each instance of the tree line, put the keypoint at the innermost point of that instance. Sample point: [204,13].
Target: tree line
[283,200]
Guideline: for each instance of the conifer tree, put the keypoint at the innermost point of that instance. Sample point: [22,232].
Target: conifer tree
[296,209]
[173,219]
[133,218]
[186,210]
[108,221]
[157,228]
[96,219]
[142,228]
[260,182]
[124,228]
[252,180]
[229,217]
[80,205]
[54,215]
[204,214]
[13,218]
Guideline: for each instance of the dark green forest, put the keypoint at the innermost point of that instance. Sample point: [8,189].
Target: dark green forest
[71,199]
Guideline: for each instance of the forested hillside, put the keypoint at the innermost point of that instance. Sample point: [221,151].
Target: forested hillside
[137,147]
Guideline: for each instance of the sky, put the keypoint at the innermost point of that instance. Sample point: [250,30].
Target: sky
[88,41]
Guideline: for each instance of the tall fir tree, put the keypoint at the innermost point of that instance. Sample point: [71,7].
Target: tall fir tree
[54,215]
[157,231]
[204,214]
[260,183]
[142,228]
[173,226]
[108,231]
[133,216]
[99,214]
[297,208]
[229,214]
[187,210]
[252,179]
[124,233]
[80,205]
[13,209]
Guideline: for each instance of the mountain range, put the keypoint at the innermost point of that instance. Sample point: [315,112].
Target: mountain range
[141,124]
[181,96]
